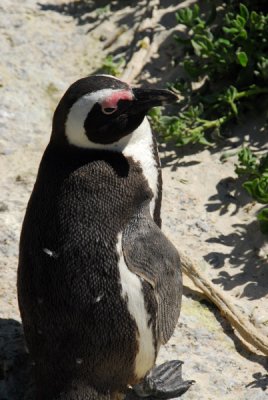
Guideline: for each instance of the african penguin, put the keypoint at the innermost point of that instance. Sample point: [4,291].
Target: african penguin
[99,285]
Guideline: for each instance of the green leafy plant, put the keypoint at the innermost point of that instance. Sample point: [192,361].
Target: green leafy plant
[255,170]
[103,10]
[113,65]
[227,54]
[186,126]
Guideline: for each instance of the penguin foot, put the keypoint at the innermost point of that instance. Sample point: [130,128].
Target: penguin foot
[163,382]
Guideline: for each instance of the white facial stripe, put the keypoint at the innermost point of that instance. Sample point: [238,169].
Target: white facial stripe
[140,149]
[74,126]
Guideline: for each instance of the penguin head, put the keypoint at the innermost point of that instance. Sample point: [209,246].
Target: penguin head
[100,110]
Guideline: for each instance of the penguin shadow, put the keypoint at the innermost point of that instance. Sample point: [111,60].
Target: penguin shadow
[15,366]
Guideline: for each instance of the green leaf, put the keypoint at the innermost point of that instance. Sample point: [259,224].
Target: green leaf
[263,167]
[224,42]
[191,68]
[232,31]
[229,96]
[244,11]
[103,10]
[242,58]
[197,47]
[256,20]
[254,17]
[204,141]
[240,21]
[263,218]
[247,163]
[180,17]
[258,189]
[188,16]
[262,66]
[196,11]
[246,157]
[243,34]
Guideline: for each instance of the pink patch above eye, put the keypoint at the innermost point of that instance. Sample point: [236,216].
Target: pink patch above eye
[112,101]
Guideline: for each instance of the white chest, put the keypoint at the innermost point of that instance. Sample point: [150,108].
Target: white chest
[140,148]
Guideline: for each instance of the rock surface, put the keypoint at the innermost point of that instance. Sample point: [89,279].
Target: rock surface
[45,46]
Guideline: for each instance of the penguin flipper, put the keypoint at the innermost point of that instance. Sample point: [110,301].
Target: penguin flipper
[163,382]
[151,256]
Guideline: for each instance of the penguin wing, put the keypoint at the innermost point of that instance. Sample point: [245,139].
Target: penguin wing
[150,255]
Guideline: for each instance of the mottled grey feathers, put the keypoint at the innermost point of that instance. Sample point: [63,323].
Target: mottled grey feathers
[150,255]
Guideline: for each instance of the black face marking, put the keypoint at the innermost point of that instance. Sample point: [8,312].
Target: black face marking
[109,128]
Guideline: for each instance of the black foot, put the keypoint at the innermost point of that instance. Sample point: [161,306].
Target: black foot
[163,382]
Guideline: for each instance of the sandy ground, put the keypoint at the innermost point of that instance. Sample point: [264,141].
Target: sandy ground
[47,45]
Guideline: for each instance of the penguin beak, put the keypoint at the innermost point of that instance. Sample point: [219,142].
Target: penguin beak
[148,98]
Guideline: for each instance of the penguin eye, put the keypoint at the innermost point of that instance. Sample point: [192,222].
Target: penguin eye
[109,110]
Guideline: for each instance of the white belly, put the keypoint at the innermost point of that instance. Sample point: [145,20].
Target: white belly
[132,292]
